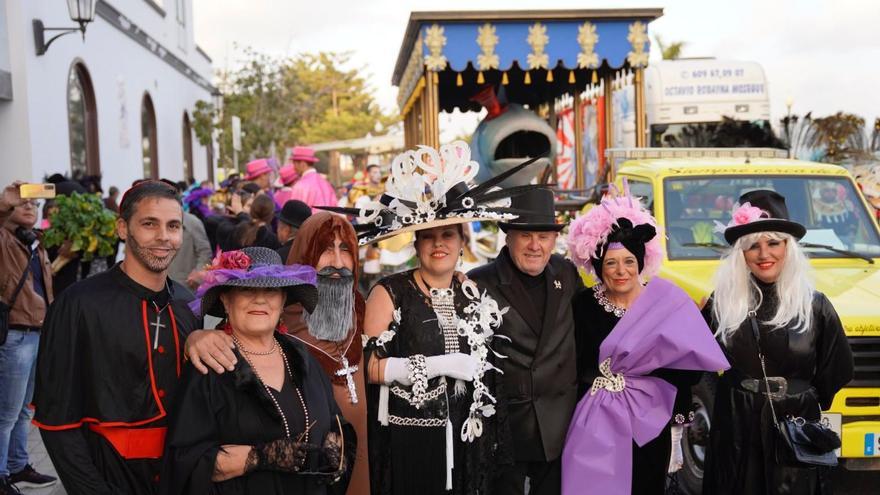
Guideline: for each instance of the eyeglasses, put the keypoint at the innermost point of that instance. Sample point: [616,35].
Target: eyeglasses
[337,472]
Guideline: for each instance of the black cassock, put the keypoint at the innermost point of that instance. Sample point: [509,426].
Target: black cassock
[816,363]
[102,373]
[235,409]
[650,464]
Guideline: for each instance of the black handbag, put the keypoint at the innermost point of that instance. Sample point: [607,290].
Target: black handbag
[5,308]
[798,442]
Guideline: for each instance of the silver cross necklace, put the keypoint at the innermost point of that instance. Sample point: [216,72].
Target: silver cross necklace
[346,369]
[158,323]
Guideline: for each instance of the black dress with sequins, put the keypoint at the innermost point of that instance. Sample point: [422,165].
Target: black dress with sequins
[408,455]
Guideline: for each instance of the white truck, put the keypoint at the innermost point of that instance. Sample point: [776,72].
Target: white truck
[686,98]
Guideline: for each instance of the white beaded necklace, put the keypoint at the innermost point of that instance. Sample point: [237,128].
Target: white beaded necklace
[443,303]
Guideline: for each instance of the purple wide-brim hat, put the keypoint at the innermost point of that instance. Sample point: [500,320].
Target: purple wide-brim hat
[256,267]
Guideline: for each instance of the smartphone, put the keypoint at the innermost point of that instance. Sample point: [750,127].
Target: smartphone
[39,191]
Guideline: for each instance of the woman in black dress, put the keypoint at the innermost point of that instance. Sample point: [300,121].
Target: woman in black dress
[271,426]
[595,315]
[640,347]
[424,445]
[765,275]
[435,425]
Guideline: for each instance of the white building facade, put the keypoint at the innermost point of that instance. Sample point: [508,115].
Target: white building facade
[119,103]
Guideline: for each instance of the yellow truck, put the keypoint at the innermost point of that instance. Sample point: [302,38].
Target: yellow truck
[689,189]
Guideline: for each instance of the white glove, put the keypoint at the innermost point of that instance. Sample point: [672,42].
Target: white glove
[457,365]
[397,370]
[676,459]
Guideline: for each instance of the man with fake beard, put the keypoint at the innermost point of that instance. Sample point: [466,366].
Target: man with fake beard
[110,356]
[332,333]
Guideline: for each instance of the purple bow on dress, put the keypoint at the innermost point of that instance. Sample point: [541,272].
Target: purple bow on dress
[663,329]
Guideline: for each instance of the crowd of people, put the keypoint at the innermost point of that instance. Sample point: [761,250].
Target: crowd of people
[511,378]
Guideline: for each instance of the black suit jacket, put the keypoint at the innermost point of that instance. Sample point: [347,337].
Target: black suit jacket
[540,372]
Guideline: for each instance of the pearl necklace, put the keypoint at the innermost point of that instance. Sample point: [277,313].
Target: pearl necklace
[299,395]
[255,353]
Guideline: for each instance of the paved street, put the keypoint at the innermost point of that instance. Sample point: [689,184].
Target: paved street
[846,483]
[40,460]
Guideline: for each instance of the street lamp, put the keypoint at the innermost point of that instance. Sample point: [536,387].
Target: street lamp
[789,126]
[81,12]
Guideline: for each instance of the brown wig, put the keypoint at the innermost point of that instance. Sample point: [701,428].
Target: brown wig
[314,236]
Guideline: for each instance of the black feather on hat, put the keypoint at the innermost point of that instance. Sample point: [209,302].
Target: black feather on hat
[430,188]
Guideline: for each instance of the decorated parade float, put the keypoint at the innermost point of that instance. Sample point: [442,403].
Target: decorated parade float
[561,83]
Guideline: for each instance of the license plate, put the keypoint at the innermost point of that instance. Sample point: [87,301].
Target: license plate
[872,444]
[835,422]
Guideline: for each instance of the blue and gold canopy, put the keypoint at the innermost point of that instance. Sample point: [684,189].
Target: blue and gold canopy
[537,55]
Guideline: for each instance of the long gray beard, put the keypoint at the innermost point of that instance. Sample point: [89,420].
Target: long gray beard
[333,315]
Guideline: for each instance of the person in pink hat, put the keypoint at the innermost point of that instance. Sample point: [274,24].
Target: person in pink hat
[260,173]
[287,177]
[312,188]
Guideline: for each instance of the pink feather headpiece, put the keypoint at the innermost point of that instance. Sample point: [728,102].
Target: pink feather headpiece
[590,231]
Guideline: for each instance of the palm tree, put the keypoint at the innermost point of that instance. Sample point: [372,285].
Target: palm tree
[671,51]
[842,135]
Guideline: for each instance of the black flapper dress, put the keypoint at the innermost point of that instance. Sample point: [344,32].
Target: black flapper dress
[409,454]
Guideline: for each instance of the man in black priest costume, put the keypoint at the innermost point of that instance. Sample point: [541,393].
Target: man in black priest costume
[111,353]
[540,372]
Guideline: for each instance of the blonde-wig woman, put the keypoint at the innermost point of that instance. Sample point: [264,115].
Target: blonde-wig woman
[765,277]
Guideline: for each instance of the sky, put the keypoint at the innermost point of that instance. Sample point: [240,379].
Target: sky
[821,55]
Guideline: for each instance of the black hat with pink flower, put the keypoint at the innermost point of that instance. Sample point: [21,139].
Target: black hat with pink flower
[760,211]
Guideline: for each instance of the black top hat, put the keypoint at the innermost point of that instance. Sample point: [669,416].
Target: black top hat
[294,213]
[773,204]
[538,212]
[265,270]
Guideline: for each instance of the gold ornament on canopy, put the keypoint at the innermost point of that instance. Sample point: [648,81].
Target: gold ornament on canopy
[411,75]
[638,37]
[435,40]
[538,40]
[587,39]
[487,41]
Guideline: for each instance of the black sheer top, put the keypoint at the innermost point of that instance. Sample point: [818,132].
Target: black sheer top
[288,401]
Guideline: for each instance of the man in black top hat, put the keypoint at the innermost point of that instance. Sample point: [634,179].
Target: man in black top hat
[540,372]
[293,214]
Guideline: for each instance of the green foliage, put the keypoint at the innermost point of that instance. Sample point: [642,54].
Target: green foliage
[670,51]
[85,222]
[282,102]
[203,121]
